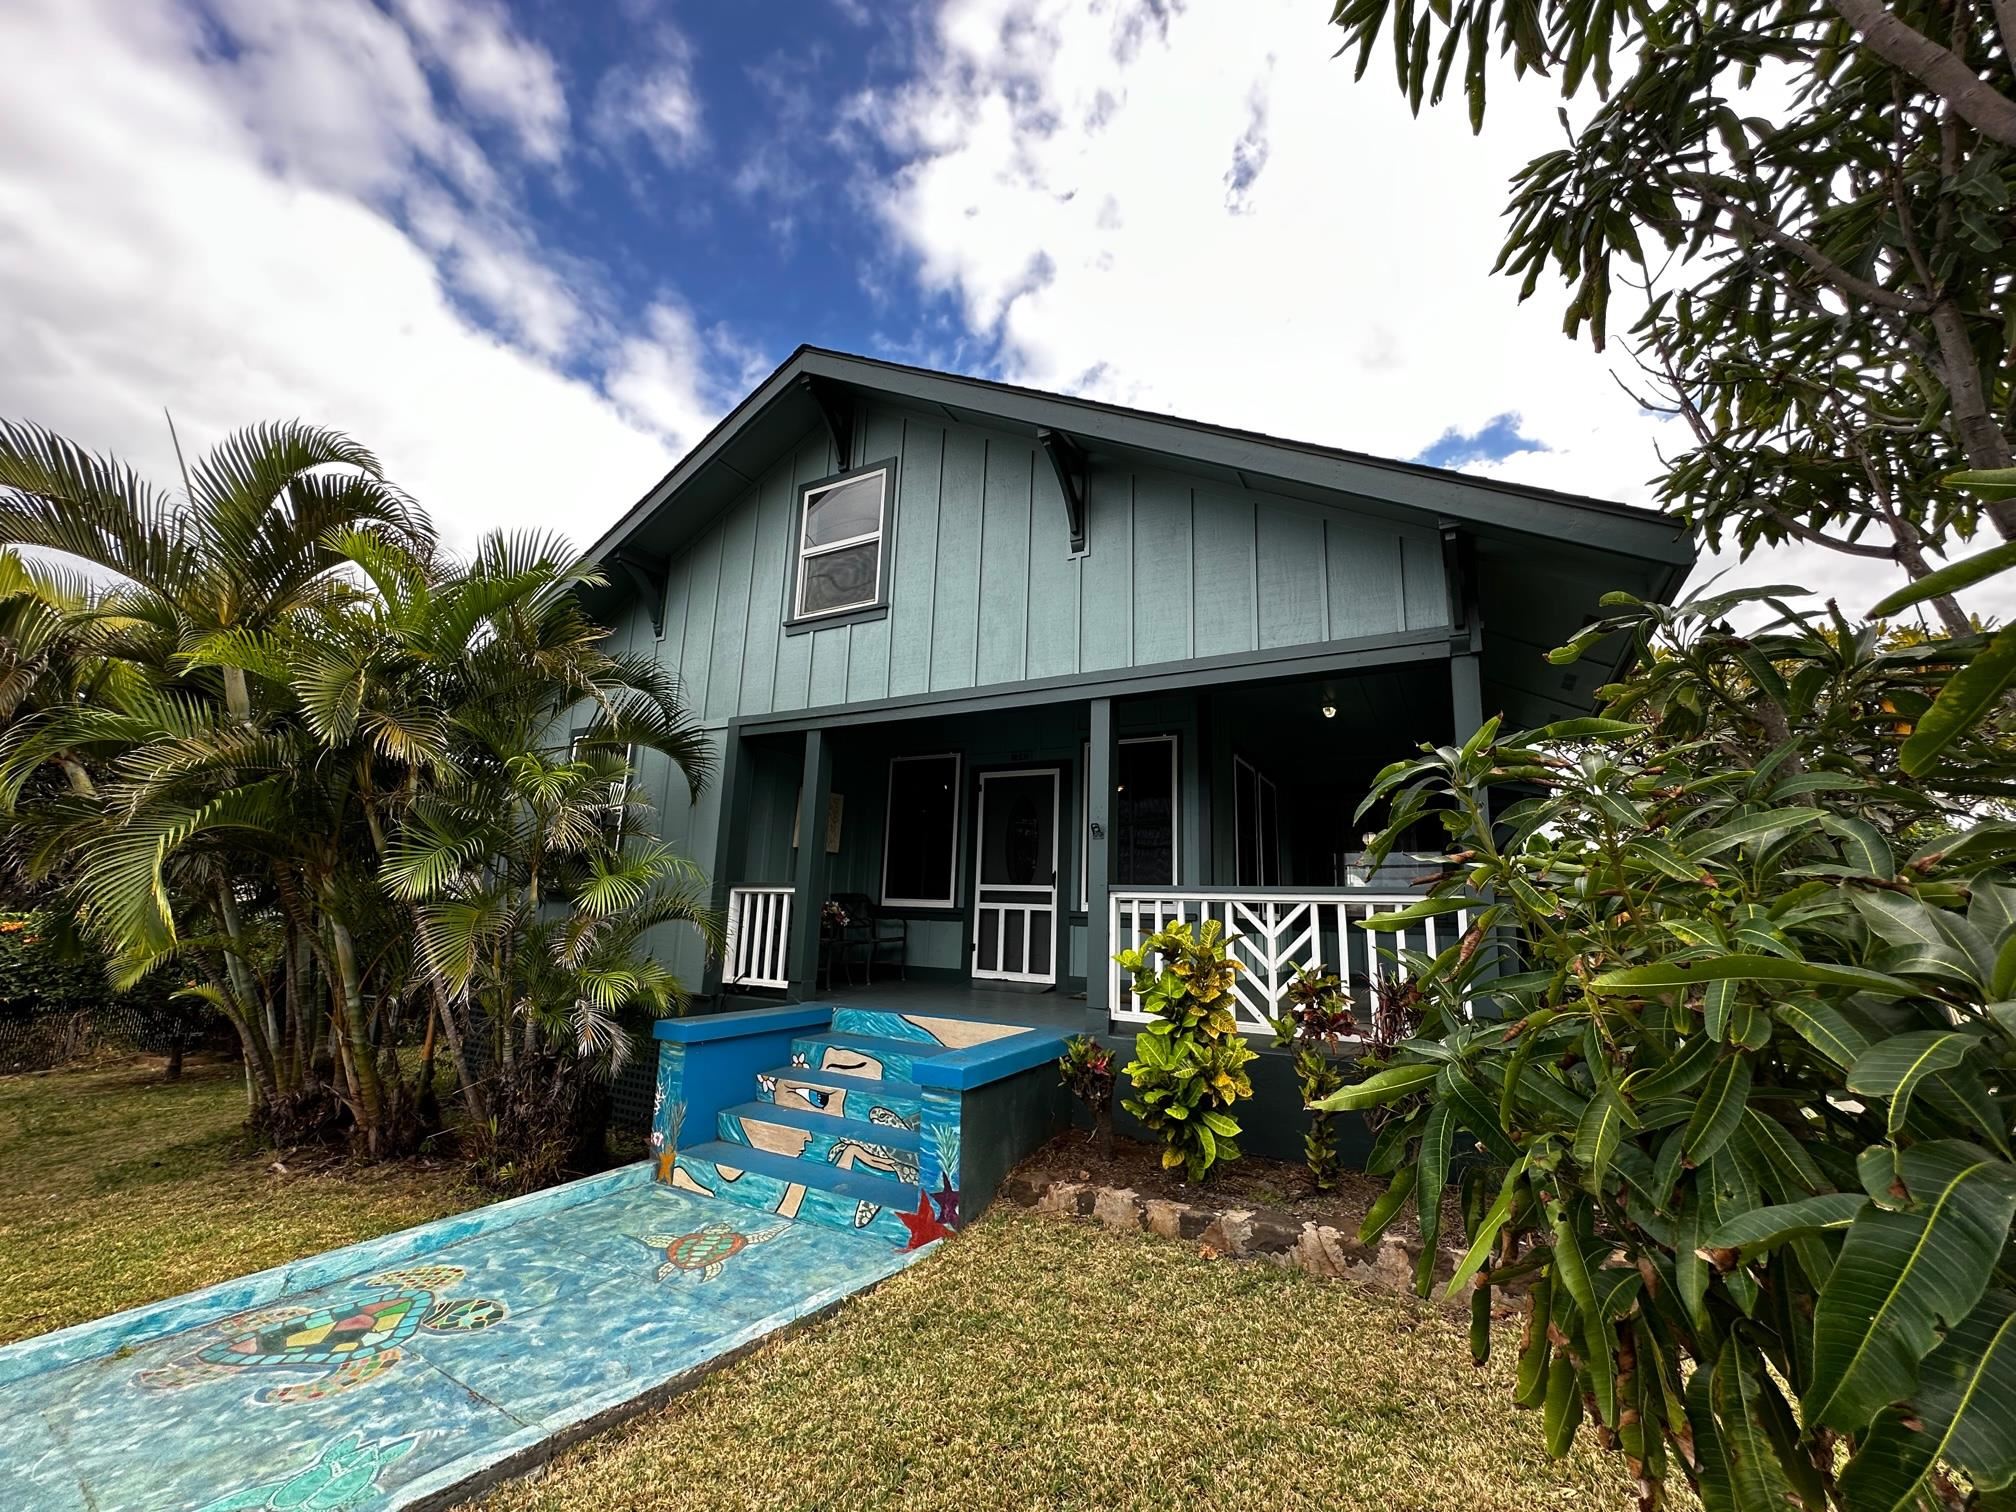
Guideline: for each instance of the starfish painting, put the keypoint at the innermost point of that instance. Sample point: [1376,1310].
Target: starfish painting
[923,1224]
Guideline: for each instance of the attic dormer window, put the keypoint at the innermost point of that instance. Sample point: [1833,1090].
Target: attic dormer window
[841,525]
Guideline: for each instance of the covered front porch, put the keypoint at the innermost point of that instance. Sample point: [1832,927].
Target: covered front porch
[988,861]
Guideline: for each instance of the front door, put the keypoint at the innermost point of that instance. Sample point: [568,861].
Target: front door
[1015,877]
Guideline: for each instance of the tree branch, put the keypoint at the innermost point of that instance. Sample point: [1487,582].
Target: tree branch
[1947,75]
[1803,532]
[1807,253]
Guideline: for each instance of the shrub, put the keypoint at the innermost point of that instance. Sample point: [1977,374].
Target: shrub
[57,1000]
[1318,1021]
[1742,1077]
[1086,1067]
[1189,1066]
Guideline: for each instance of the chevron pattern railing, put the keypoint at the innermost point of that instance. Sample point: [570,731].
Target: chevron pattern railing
[1275,933]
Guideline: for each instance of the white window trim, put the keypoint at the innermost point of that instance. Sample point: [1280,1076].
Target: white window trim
[1260,780]
[826,548]
[1175,816]
[889,814]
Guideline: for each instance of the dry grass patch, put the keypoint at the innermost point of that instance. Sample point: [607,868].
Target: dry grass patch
[117,1188]
[1039,1363]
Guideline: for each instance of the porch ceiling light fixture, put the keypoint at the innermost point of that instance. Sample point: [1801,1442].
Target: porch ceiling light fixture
[1329,710]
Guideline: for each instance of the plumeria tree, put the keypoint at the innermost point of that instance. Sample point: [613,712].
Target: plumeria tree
[1806,207]
[1725,1066]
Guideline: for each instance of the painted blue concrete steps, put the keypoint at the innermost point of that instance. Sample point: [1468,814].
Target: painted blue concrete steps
[833,1137]
[838,1197]
[767,1125]
[863,1054]
[857,1118]
[834,1094]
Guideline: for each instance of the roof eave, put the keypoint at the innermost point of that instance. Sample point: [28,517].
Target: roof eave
[1483,503]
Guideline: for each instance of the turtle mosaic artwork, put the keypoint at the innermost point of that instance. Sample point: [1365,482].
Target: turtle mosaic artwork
[701,1255]
[335,1348]
[344,1475]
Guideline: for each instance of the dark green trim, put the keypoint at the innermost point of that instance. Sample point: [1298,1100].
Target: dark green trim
[866,616]
[1310,660]
[953,915]
[1099,858]
[731,837]
[810,865]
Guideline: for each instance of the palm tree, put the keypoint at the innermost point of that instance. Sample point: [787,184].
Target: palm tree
[324,740]
[244,547]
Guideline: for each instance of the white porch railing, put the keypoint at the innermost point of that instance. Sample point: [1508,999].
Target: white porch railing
[759,938]
[1276,933]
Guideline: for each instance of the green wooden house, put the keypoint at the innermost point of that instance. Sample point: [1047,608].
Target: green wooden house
[1016,677]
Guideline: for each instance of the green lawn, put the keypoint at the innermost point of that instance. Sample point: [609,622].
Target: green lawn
[117,1188]
[1034,1362]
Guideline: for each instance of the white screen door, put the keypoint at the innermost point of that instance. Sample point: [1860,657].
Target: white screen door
[1015,877]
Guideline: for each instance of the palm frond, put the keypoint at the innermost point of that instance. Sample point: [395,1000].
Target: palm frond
[57,495]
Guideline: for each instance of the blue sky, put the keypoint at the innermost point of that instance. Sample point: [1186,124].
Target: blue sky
[746,215]
[532,251]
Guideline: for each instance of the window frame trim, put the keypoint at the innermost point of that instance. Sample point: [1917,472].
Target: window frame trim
[883,536]
[958,761]
[1260,780]
[1174,737]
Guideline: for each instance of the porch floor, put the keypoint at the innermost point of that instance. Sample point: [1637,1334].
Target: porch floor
[1060,1009]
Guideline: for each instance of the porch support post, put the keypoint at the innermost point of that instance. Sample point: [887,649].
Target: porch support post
[1466,631]
[1099,868]
[1466,695]
[731,837]
[815,794]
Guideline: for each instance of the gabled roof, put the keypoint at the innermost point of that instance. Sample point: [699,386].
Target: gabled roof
[815,385]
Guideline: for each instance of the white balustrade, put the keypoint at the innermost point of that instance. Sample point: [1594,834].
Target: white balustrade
[1275,934]
[759,937]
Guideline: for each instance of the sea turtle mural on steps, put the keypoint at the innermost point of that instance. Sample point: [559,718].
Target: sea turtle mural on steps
[353,1339]
[700,1255]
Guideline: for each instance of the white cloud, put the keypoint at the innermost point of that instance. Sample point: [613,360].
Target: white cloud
[332,90]
[199,235]
[654,375]
[1196,210]
[653,100]
[491,264]
[497,73]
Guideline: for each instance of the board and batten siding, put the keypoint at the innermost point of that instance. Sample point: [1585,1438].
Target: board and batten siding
[983,589]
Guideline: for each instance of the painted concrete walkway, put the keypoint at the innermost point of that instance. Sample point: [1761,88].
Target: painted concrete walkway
[389,1374]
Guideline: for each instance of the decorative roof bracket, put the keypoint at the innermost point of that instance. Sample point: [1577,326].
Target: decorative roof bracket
[836,412]
[1459,570]
[1067,457]
[650,582]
